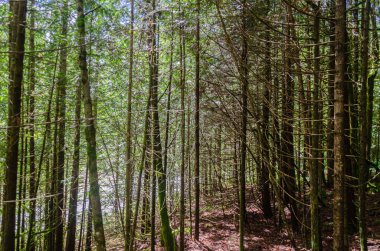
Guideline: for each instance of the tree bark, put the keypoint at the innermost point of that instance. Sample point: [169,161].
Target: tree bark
[129,169]
[61,104]
[196,118]
[316,241]
[16,66]
[183,139]
[143,163]
[339,236]
[265,188]
[88,243]
[287,146]
[243,126]
[166,230]
[73,201]
[363,131]
[30,244]
[330,123]
[90,134]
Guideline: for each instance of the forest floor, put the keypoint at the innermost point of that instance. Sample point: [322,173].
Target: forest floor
[219,227]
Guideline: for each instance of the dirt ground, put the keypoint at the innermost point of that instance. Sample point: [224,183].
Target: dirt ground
[219,229]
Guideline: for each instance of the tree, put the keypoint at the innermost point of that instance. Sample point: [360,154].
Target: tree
[243,125]
[183,139]
[73,200]
[129,170]
[196,118]
[212,116]
[16,66]
[363,130]
[30,245]
[316,242]
[287,146]
[339,152]
[265,165]
[90,131]
[166,230]
[61,116]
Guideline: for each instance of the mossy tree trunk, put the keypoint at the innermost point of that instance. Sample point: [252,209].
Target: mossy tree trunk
[166,230]
[90,132]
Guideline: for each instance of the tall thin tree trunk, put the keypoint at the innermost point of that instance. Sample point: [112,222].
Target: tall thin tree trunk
[129,169]
[339,236]
[89,228]
[90,134]
[20,184]
[196,118]
[143,167]
[243,126]
[30,244]
[48,169]
[330,123]
[371,82]
[287,146]
[316,241]
[61,104]
[72,216]
[24,187]
[16,66]
[146,224]
[82,221]
[23,165]
[168,105]
[265,189]
[352,124]
[53,203]
[166,230]
[183,139]
[188,159]
[153,181]
[363,131]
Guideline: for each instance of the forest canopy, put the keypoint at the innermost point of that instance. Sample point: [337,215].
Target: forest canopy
[189,125]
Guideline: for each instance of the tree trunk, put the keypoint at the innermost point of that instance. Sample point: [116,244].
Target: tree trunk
[61,103]
[287,147]
[363,131]
[330,123]
[339,236]
[90,134]
[129,169]
[144,163]
[30,244]
[316,241]
[81,230]
[183,139]
[190,171]
[146,224]
[16,66]
[154,189]
[72,216]
[20,184]
[196,118]
[89,228]
[243,126]
[371,82]
[166,230]
[265,189]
